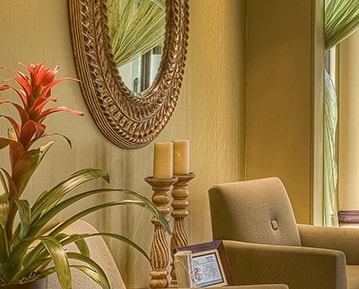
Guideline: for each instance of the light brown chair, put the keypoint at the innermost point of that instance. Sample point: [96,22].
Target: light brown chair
[264,243]
[99,253]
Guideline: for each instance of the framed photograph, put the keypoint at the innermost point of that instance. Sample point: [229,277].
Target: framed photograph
[210,267]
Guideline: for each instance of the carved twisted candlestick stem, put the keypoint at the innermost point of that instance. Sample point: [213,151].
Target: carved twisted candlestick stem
[179,204]
[159,250]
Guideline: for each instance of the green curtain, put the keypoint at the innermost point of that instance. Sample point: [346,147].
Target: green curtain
[135,27]
[341,19]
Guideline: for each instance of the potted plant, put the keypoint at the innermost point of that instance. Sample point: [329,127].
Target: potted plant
[27,252]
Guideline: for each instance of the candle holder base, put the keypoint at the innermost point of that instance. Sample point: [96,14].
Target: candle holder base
[179,204]
[159,255]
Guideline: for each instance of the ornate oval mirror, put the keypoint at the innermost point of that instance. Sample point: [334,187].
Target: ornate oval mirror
[125,119]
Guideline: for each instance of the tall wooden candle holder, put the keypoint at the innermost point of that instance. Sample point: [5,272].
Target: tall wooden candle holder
[179,204]
[159,253]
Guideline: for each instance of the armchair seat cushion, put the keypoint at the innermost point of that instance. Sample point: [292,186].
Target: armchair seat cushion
[353,276]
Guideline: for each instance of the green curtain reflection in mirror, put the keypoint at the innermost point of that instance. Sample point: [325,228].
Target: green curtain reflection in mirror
[341,19]
[135,26]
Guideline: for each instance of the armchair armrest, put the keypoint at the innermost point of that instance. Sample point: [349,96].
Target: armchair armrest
[269,286]
[298,267]
[342,239]
[261,286]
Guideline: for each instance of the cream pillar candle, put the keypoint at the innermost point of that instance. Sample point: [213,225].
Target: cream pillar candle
[163,160]
[181,156]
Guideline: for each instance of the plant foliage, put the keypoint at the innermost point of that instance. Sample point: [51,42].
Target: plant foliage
[27,252]
[136,26]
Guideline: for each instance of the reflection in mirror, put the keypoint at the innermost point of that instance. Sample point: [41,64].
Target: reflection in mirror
[125,119]
[140,73]
[137,30]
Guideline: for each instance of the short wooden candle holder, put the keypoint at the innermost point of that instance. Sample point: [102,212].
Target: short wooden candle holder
[159,254]
[179,204]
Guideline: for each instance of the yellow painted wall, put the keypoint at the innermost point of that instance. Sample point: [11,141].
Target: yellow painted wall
[283,95]
[208,114]
[348,136]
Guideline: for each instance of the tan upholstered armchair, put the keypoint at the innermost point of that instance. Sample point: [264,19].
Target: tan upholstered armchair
[265,245]
[99,253]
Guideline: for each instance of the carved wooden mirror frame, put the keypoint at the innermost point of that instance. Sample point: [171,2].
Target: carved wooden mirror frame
[125,119]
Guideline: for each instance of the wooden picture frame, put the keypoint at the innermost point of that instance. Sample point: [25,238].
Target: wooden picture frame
[210,266]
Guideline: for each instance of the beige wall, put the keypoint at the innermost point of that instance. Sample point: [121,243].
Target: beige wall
[348,136]
[208,113]
[283,98]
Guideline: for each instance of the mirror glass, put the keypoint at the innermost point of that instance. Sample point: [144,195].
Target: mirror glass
[139,74]
[137,31]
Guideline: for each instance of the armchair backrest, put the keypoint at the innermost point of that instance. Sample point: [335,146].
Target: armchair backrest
[100,253]
[255,211]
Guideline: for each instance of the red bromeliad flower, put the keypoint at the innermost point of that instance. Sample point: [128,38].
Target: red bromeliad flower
[34,90]
[35,93]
